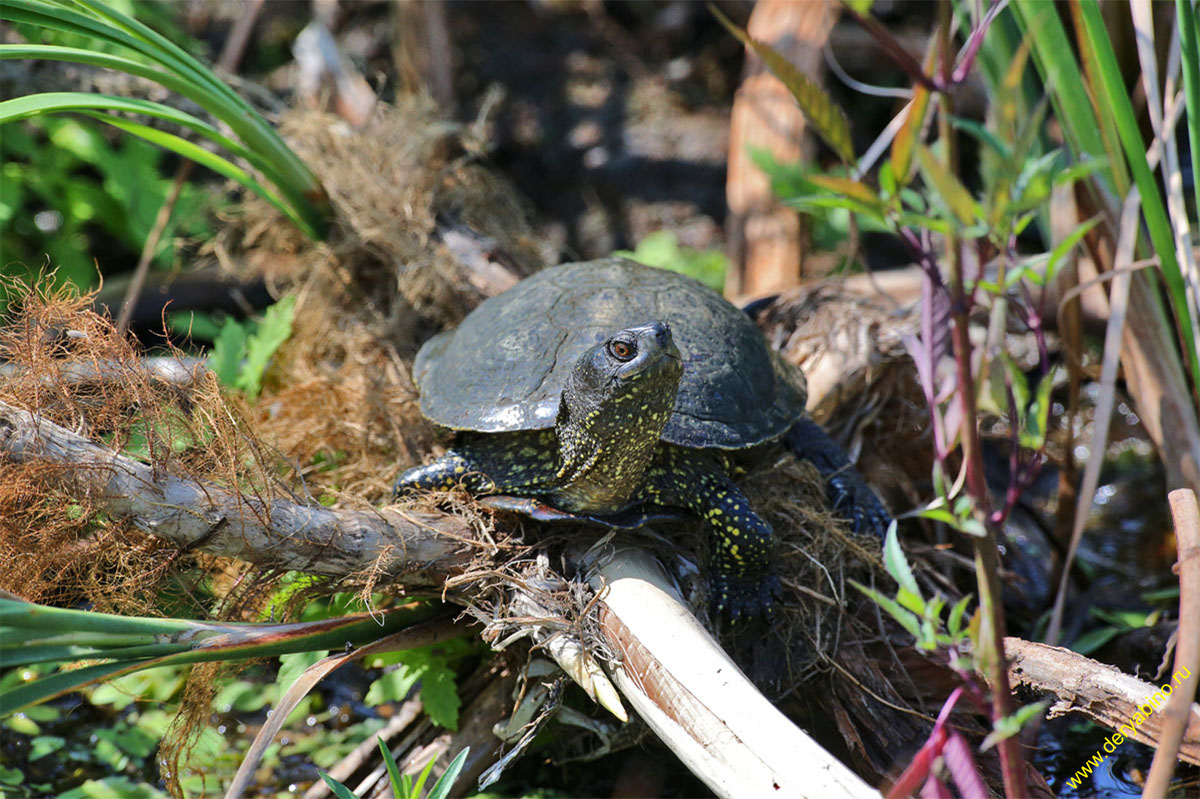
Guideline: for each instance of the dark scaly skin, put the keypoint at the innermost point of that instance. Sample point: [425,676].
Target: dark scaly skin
[605,456]
[698,481]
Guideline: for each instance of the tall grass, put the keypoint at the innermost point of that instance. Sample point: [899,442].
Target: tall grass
[275,172]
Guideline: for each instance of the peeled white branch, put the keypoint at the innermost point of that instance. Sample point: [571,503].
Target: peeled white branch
[273,533]
[684,686]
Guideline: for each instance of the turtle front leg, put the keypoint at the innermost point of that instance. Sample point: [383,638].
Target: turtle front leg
[742,582]
[522,463]
[448,471]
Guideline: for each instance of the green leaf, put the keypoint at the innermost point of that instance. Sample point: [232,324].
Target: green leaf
[1116,99]
[225,357]
[904,145]
[953,193]
[1009,726]
[113,787]
[439,695]
[1037,421]
[1065,246]
[275,329]
[393,770]
[907,620]
[850,189]
[293,665]
[661,249]
[441,788]
[954,623]
[1054,56]
[161,60]
[419,785]
[897,565]
[392,686]
[1189,52]
[827,119]
[336,788]
[19,722]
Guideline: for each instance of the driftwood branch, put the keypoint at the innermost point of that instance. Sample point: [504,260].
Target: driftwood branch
[672,672]
[684,686]
[1101,692]
[272,533]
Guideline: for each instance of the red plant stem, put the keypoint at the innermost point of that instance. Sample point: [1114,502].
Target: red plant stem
[987,566]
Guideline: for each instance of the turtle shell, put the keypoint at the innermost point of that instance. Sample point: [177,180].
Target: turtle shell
[505,367]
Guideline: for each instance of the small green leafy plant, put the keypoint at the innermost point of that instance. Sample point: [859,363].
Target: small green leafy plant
[955,634]
[403,785]
[662,249]
[242,352]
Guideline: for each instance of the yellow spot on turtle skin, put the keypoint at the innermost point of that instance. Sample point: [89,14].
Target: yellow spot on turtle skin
[459,469]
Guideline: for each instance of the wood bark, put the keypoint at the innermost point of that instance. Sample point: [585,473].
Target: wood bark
[273,533]
[1098,691]
[683,685]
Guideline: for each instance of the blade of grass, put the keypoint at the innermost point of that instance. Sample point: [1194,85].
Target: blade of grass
[185,642]
[1189,30]
[1055,59]
[393,769]
[65,102]
[441,788]
[1118,101]
[1164,131]
[1096,92]
[297,182]
[423,634]
[33,105]
[250,125]
[216,163]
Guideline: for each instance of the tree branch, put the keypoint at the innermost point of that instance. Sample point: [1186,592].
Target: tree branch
[423,547]
[1101,692]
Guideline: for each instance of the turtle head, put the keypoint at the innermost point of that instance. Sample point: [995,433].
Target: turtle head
[633,361]
[616,403]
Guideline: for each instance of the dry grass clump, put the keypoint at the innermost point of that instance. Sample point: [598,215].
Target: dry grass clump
[344,407]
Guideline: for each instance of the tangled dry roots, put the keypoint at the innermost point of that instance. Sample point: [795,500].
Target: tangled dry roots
[383,282]
[68,365]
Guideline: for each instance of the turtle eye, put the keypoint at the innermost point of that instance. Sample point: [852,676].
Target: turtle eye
[622,350]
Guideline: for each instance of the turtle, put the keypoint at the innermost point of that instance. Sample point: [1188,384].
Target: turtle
[611,391]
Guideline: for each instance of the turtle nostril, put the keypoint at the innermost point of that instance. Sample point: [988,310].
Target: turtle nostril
[662,333]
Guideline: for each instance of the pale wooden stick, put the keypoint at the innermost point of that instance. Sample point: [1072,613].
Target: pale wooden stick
[1187,643]
[684,686]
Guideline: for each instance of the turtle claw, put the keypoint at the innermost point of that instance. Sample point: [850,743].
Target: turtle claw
[851,497]
[744,598]
[849,494]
